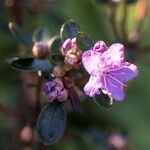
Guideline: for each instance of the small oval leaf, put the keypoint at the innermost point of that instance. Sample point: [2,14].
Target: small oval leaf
[55,45]
[41,34]
[69,30]
[74,100]
[51,123]
[84,42]
[20,35]
[47,76]
[57,59]
[31,64]
[104,100]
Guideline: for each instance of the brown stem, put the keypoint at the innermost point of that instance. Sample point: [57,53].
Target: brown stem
[37,97]
[38,92]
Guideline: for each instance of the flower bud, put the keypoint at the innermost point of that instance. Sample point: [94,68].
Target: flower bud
[55,90]
[58,71]
[40,49]
[100,46]
[71,59]
[69,45]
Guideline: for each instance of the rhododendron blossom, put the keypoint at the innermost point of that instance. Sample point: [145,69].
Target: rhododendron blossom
[108,70]
[55,90]
[71,52]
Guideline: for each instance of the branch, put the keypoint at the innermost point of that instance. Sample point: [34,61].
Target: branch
[37,98]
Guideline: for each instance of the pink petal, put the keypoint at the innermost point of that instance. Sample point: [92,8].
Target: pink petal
[66,46]
[115,88]
[100,46]
[93,86]
[125,73]
[114,55]
[91,60]
[73,41]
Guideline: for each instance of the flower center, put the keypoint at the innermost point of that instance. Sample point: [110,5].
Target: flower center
[102,70]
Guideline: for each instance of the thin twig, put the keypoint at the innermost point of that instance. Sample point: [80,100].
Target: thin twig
[38,92]
[37,98]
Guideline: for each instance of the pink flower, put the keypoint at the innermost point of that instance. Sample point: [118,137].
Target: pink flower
[108,71]
[100,46]
[55,90]
[68,45]
[71,52]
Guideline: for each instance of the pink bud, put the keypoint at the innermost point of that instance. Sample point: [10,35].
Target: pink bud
[69,45]
[100,46]
[71,59]
[66,46]
[40,50]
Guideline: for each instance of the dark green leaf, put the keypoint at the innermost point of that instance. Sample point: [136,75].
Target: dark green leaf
[31,64]
[41,34]
[84,42]
[55,45]
[20,35]
[69,30]
[47,76]
[104,100]
[51,123]
[74,100]
[57,59]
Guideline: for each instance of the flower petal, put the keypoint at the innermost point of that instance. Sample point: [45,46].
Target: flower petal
[115,88]
[93,86]
[114,56]
[125,73]
[91,60]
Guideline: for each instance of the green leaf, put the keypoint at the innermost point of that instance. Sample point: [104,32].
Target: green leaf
[104,100]
[74,100]
[41,34]
[57,59]
[20,35]
[51,123]
[84,42]
[69,30]
[31,64]
[55,45]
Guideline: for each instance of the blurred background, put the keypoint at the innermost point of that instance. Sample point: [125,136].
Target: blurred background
[127,124]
